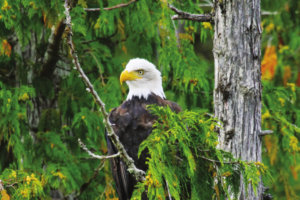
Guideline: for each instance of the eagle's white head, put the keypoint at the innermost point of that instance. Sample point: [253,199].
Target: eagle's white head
[142,78]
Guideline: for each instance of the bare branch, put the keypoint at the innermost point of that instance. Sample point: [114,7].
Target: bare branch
[11,185]
[137,173]
[99,67]
[208,3]
[265,12]
[205,5]
[266,132]
[83,146]
[169,194]
[188,16]
[1,185]
[52,53]
[110,8]
[96,172]
[216,161]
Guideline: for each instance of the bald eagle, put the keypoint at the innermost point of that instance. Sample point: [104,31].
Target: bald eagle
[132,122]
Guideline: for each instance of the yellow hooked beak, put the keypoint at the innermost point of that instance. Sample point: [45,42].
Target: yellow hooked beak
[129,76]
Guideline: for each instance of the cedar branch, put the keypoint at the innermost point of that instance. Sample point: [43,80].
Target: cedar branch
[189,16]
[110,8]
[137,173]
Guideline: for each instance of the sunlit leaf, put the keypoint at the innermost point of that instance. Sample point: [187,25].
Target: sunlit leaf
[269,62]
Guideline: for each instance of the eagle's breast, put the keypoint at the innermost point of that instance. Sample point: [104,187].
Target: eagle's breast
[132,122]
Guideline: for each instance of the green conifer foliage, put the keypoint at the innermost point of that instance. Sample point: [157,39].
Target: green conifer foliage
[281,93]
[185,162]
[45,107]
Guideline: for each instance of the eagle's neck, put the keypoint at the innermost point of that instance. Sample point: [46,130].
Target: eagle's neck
[143,90]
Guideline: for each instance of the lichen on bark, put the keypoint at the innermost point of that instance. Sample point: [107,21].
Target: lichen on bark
[237,90]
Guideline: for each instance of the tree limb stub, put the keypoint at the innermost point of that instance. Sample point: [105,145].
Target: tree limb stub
[265,132]
[53,51]
[110,8]
[189,16]
[137,173]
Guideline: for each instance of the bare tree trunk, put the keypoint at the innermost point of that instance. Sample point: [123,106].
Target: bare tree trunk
[237,92]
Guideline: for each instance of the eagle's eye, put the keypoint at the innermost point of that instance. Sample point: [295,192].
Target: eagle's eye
[141,72]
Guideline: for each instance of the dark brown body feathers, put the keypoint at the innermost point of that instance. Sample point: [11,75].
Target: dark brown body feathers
[133,124]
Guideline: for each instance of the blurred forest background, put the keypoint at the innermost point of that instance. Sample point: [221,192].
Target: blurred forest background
[45,108]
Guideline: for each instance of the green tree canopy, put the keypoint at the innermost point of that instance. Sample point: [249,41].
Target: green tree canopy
[45,107]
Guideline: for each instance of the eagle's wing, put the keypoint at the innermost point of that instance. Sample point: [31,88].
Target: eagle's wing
[163,102]
[120,119]
[174,106]
[119,171]
[132,123]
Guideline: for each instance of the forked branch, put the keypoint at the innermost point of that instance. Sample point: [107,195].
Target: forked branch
[137,173]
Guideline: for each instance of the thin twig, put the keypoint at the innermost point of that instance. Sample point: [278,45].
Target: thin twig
[68,70]
[1,185]
[110,8]
[89,41]
[210,115]
[205,5]
[216,161]
[52,53]
[178,158]
[169,194]
[83,146]
[203,150]
[265,12]
[96,172]
[99,67]
[12,185]
[188,16]
[137,173]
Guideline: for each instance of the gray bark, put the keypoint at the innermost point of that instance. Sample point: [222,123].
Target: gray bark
[237,90]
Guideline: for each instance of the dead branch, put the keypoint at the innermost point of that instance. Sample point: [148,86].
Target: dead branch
[169,194]
[265,132]
[83,146]
[53,50]
[137,173]
[96,172]
[110,8]
[188,16]
[1,185]
[216,161]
